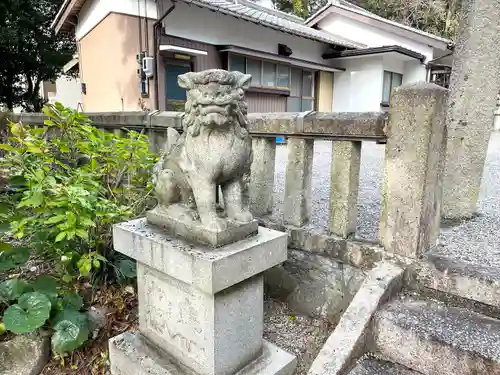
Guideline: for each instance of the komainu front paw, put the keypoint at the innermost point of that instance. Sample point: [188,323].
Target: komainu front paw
[214,223]
[244,216]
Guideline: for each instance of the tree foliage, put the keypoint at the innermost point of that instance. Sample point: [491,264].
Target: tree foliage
[435,16]
[30,52]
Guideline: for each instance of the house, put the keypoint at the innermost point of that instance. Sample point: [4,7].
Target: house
[394,54]
[341,59]
[66,89]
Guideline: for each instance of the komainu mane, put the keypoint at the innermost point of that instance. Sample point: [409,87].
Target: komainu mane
[214,150]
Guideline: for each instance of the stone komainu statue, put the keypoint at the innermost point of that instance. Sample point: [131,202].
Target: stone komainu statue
[215,149]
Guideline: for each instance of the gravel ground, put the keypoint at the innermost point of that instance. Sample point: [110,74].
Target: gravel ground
[478,240]
[299,335]
[473,241]
[372,157]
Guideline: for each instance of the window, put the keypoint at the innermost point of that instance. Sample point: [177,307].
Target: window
[301,91]
[391,80]
[296,82]
[283,79]
[175,95]
[307,84]
[237,63]
[264,73]
[254,68]
[269,74]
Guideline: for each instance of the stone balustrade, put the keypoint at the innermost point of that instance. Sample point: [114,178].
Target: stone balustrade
[414,134]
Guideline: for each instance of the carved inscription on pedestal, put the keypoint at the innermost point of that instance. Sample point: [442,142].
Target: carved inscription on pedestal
[176,314]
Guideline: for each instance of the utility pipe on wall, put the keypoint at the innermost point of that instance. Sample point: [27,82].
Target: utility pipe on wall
[156,34]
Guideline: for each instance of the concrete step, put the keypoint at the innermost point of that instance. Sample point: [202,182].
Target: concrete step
[376,367]
[477,282]
[435,339]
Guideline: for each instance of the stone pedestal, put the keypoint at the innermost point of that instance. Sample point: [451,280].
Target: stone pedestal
[200,309]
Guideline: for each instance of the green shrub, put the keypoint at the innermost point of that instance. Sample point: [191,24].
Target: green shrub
[68,183]
[42,303]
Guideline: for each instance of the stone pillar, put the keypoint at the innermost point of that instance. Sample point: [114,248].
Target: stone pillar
[346,160]
[262,176]
[475,81]
[415,149]
[298,184]
[200,308]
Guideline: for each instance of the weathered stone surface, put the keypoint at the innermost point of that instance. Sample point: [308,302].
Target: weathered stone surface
[435,339]
[131,354]
[202,331]
[210,270]
[410,214]
[345,123]
[298,188]
[214,150]
[262,176]
[178,221]
[314,285]
[24,355]
[471,281]
[474,83]
[348,340]
[273,123]
[346,161]
[375,367]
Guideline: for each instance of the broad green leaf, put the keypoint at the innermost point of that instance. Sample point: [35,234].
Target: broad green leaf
[30,313]
[4,246]
[10,290]
[61,236]
[72,301]
[84,266]
[13,258]
[4,227]
[55,219]
[35,200]
[46,285]
[82,234]
[71,218]
[6,147]
[34,149]
[127,268]
[86,221]
[49,123]
[71,330]
[17,180]
[4,208]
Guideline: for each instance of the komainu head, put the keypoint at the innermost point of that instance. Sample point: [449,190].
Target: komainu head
[216,99]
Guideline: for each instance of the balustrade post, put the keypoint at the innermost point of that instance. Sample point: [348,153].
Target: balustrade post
[262,176]
[414,158]
[298,182]
[346,160]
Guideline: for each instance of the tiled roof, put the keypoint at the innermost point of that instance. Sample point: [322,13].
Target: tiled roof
[343,4]
[274,19]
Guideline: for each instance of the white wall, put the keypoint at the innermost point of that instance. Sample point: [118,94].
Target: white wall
[205,26]
[359,88]
[414,71]
[68,92]
[371,36]
[94,11]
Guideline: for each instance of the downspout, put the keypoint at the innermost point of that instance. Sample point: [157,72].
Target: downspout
[139,24]
[156,29]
